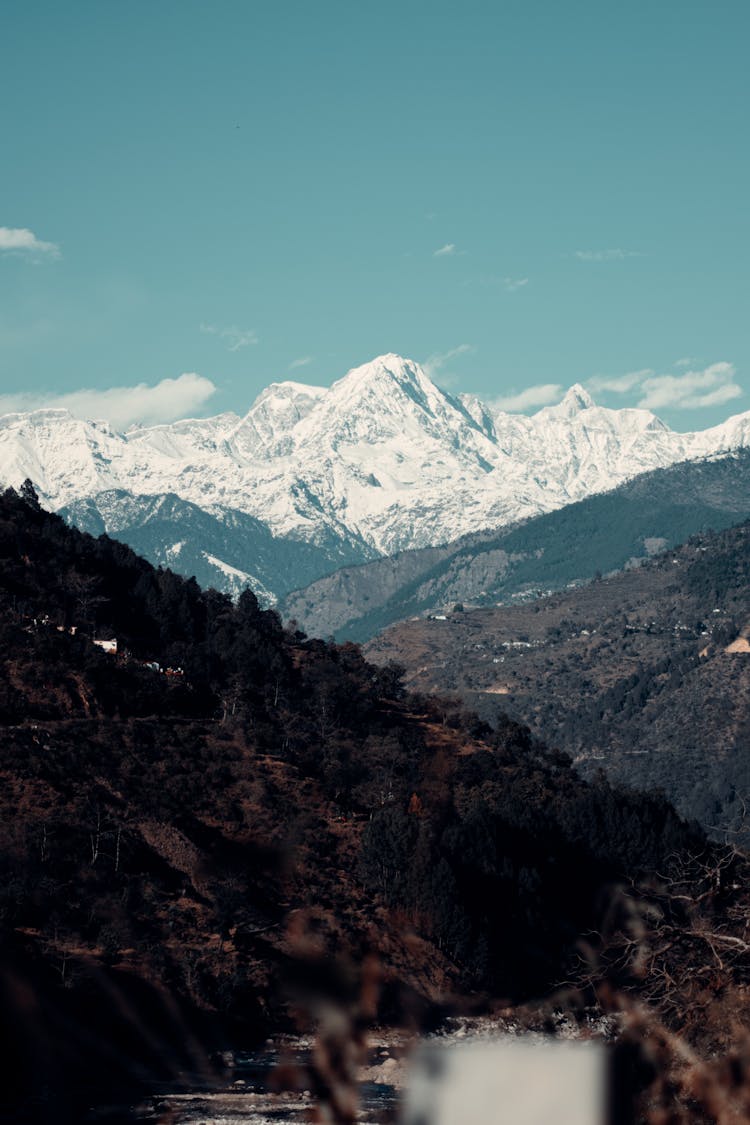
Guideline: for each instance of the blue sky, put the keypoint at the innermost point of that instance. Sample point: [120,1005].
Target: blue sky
[253,191]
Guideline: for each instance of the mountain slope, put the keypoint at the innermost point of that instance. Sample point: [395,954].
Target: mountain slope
[601,534]
[645,674]
[381,461]
[186,860]
[215,548]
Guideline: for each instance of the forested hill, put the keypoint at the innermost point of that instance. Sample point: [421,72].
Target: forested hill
[188,824]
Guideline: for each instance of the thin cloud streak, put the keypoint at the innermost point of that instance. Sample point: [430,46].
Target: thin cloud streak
[166,401]
[543,394]
[446,251]
[486,281]
[234,337]
[437,362]
[619,384]
[303,361]
[615,255]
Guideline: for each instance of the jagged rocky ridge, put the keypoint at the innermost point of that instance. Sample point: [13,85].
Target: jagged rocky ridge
[382,461]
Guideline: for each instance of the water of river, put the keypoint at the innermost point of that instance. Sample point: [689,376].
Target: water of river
[248,1098]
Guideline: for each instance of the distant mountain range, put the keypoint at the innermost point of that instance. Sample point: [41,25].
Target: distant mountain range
[603,533]
[382,461]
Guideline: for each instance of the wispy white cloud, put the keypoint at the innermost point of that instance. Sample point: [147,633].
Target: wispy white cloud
[712,386]
[22,242]
[438,361]
[303,361]
[234,337]
[487,281]
[447,251]
[684,362]
[541,395]
[690,390]
[616,255]
[511,284]
[123,406]
[619,384]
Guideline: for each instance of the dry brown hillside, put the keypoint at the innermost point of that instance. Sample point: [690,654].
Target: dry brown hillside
[645,674]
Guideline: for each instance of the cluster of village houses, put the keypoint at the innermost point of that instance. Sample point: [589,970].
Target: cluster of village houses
[109,646]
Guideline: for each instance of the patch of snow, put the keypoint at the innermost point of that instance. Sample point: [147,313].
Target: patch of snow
[225,568]
[238,580]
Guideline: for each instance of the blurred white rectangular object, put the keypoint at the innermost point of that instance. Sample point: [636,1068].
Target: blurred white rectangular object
[507,1081]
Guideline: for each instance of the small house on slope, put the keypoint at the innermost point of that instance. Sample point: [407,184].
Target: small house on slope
[108,646]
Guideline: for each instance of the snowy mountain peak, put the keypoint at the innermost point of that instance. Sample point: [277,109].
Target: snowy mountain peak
[382,375]
[286,391]
[579,398]
[390,400]
[380,461]
[575,399]
[266,428]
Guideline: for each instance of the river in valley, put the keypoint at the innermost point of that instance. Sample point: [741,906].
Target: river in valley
[472,1072]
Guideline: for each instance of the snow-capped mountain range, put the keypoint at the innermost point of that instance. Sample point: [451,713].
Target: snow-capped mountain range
[381,461]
